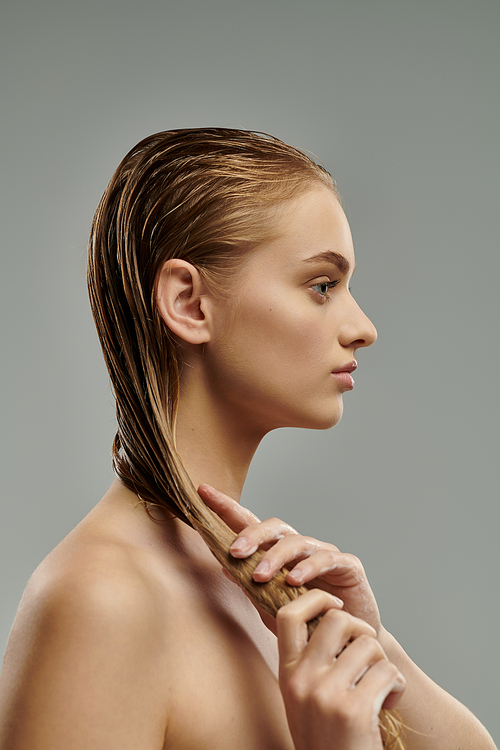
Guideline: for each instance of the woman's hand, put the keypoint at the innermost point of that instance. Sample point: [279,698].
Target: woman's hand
[309,562]
[332,698]
[335,684]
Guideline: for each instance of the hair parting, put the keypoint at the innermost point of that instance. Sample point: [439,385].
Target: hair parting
[206,196]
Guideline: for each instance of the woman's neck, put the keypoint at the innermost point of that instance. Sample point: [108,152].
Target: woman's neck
[215,449]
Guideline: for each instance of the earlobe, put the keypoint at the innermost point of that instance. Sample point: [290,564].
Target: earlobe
[181,298]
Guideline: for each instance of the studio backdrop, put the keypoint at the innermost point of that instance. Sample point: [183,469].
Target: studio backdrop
[399,100]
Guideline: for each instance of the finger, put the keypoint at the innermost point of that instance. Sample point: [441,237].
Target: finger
[292,622]
[333,642]
[289,548]
[383,684]
[232,513]
[260,534]
[359,655]
[317,563]
[338,569]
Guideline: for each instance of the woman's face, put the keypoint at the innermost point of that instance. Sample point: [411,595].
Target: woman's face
[285,338]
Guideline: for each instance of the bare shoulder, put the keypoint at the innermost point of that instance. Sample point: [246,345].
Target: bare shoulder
[86,660]
[125,627]
[98,587]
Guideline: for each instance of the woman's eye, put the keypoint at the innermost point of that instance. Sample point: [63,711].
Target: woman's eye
[323,287]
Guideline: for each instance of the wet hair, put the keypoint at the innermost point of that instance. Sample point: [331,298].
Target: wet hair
[206,196]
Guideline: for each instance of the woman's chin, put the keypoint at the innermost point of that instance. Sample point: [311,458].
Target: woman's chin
[320,417]
[327,425]
[324,421]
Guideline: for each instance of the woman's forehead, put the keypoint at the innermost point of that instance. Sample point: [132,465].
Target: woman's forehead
[311,229]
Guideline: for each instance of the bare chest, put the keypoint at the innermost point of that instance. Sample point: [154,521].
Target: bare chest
[222,689]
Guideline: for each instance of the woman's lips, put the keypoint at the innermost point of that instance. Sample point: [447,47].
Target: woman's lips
[345,379]
[343,375]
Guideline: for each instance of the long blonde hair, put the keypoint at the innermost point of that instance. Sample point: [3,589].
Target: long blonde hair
[205,196]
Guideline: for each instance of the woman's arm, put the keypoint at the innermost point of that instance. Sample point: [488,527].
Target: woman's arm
[443,721]
[438,721]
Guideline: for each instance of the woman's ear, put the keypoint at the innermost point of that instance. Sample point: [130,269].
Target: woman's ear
[181,296]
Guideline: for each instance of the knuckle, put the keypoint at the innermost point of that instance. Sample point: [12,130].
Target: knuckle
[370,644]
[297,687]
[367,641]
[331,557]
[387,669]
[284,527]
[331,550]
[275,528]
[343,618]
[346,711]
[321,699]
[276,522]
[335,616]
[310,542]
[387,672]
[355,561]
[332,615]
[285,615]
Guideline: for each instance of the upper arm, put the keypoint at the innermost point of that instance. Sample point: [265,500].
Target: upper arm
[85,669]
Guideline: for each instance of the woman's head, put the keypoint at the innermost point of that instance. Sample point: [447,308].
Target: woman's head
[204,196]
[277,349]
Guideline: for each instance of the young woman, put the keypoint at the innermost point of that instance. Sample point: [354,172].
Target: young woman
[219,273]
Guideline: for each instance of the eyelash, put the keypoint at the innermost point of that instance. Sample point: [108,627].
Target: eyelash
[328,284]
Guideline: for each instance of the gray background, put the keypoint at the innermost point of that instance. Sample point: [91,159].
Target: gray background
[399,99]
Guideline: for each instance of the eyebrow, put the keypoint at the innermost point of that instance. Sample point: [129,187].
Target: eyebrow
[330,256]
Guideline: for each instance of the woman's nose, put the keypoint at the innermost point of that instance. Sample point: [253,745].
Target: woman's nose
[358,330]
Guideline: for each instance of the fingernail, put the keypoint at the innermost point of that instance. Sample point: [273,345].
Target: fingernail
[296,575]
[263,567]
[208,489]
[240,545]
